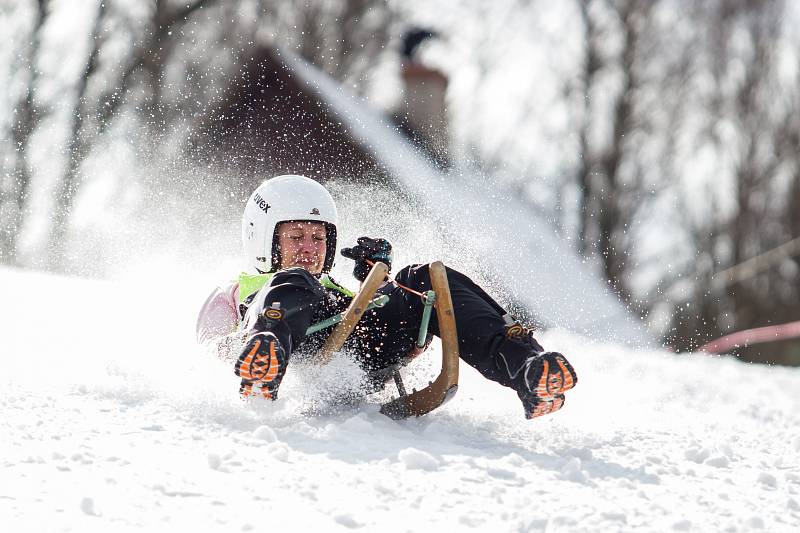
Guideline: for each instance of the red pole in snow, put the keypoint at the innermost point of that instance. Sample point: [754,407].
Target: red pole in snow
[746,337]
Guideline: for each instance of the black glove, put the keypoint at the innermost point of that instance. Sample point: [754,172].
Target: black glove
[368,249]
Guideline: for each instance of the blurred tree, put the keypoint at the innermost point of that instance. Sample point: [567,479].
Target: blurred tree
[610,177]
[695,105]
[27,115]
[163,65]
[91,116]
[748,127]
[632,92]
[79,144]
[684,119]
[345,38]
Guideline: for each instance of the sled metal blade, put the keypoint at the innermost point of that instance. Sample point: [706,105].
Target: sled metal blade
[353,313]
[444,387]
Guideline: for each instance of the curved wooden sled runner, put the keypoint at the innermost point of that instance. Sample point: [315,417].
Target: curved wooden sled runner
[354,312]
[444,387]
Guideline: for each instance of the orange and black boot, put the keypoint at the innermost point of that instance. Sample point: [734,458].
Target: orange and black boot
[548,376]
[540,378]
[264,359]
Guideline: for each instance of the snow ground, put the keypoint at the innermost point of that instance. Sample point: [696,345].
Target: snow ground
[120,422]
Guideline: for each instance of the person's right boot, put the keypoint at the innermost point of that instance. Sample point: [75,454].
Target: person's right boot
[263,361]
[540,378]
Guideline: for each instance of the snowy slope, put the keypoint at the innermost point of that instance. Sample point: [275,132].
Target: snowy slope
[118,422]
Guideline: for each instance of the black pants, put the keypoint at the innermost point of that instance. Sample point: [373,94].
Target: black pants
[384,336]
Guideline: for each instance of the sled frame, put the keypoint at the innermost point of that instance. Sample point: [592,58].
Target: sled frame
[351,316]
[445,386]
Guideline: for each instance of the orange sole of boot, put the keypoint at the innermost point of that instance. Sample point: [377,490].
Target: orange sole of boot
[556,378]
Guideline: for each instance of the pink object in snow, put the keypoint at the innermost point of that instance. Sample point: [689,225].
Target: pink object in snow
[753,336]
[219,316]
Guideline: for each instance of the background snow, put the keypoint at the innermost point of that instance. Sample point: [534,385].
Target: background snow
[118,421]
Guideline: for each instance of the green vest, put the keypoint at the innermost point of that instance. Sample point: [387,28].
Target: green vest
[250,284]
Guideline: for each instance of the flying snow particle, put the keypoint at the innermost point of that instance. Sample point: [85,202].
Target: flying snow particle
[719,461]
[279,451]
[214,461]
[265,433]
[417,459]
[767,479]
[697,455]
[573,471]
[87,506]
[347,521]
[682,525]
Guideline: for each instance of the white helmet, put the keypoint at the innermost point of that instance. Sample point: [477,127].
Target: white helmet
[283,199]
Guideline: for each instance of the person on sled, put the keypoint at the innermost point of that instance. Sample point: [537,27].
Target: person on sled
[289,233]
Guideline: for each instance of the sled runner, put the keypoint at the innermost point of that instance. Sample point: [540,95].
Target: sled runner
[354,312]
[445,385]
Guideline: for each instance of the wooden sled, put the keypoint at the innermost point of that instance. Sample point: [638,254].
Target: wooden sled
[440,390]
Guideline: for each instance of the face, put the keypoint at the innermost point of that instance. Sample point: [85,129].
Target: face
[303,244]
